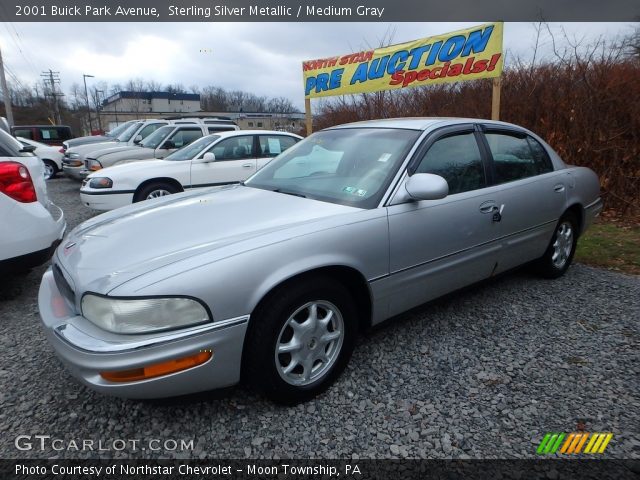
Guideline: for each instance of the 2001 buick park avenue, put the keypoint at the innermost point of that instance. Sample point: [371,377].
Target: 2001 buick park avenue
[270,281]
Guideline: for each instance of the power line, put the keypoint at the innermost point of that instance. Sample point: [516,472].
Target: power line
[17,41]
[54,79]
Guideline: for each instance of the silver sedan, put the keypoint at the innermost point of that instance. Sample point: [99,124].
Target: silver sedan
[270,281]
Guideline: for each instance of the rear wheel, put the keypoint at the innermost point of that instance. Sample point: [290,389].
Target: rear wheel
[155,190]
[300,340]
[50,169]
[557,259]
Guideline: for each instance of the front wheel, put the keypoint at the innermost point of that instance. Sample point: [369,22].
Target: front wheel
[300,340]
[155,190]
[50,169]
[559,254]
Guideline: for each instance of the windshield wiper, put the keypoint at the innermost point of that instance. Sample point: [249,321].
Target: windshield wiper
[278,190]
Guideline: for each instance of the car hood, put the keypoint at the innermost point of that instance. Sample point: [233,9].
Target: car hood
[124,170]
[74,142]
[115,149]
[126,152]
[91,147]
[110,249]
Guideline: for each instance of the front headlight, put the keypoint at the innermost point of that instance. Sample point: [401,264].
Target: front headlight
[101,182]
[73,155]
[93,164]
[143,315]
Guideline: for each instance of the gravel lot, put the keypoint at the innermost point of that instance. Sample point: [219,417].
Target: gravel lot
[484,373]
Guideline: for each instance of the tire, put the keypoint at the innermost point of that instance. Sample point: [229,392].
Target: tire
[323,351]
[559,254]
[155,190]
[50,169]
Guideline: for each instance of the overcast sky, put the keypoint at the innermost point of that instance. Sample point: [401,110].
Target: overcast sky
[261,58]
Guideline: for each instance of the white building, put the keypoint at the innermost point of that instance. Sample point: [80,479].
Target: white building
[136,103]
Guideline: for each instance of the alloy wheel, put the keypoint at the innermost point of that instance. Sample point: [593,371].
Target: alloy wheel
[563,245]
[309,343]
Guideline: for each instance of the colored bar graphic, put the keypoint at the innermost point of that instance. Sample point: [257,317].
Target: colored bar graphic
[558,442]
[566,445]
[576,441]
[573,443]
[582,442]
[543,444]
[605,442]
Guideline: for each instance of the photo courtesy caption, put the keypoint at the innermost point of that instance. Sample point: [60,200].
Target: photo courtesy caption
[250,469]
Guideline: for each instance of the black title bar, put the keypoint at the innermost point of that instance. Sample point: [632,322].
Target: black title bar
[319,11]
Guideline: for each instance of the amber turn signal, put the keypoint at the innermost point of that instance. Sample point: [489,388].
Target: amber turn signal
[158,369]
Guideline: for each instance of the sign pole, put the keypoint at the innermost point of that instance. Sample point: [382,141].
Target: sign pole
[495,98]
[307,115]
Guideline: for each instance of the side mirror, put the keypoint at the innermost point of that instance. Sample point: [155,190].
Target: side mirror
[138,139]
[426,186]
[206,158]
[168,145]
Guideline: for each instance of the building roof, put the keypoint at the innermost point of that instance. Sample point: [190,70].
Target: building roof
[195,97]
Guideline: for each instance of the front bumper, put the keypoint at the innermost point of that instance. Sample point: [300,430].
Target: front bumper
[77,173]
[106,199]
[87,350]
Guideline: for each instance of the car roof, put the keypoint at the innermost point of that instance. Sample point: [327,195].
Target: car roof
[419,123]
[233,133]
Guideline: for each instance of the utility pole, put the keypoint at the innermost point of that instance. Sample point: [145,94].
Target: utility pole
[53,78]
[6,94]
[98,102]
[86,96]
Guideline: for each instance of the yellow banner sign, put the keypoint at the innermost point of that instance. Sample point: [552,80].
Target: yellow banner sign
[463,55]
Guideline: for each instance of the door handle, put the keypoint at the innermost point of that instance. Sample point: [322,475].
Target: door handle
[559,188]
[247,165]
[488,207]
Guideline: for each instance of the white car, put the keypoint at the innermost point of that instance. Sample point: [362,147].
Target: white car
[218,159]
[32,226]
[50,156]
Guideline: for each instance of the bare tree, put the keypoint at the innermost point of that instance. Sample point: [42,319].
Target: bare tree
[137,87]
[175,88]
[153,86]
[280,105]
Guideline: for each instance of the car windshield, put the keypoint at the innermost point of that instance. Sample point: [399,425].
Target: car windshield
[349,166]
[118,130]
[128,133]
[156,138]
[190,151]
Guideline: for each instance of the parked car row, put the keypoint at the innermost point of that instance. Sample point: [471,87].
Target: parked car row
[270,280]
[33,225]
[139,141]
[212,160]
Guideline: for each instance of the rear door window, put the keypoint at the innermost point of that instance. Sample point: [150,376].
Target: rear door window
[273,145]
[514,158]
